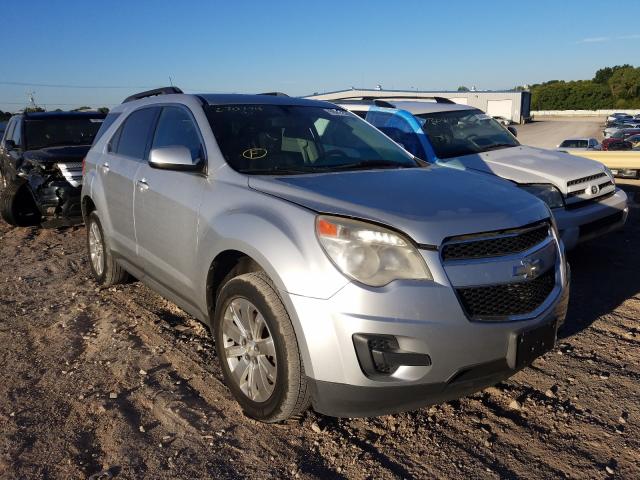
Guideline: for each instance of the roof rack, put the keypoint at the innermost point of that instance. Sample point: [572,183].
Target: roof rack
[416,97]
[152,93]
[397,98]
[366,101]
[274,94]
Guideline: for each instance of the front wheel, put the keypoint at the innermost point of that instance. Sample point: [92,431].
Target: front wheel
[104,268]
[258,350]
[17,206]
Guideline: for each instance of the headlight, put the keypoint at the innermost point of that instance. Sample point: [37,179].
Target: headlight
[610,173]
[547,193]
[368,253]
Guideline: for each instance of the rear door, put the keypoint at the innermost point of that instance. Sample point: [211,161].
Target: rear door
[127,152]
[167,204]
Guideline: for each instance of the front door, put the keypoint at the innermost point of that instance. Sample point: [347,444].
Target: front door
[167,204]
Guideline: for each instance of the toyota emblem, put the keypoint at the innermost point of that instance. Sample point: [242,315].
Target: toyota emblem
[594,189]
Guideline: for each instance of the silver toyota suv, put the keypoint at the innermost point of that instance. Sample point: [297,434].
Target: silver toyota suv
[333,268]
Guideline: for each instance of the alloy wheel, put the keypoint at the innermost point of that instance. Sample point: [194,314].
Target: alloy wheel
[249,350]
[96,248]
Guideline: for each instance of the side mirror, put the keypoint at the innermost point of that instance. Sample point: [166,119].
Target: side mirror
[513,130]
[175,157]
[10,144]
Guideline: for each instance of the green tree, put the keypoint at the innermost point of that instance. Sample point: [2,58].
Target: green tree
[625,83]
[462,88]
[604,74]
[103,110]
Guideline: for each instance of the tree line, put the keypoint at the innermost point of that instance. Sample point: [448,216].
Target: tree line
[611,88]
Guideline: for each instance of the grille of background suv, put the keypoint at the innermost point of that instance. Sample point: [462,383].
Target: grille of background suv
[585,179]
[508,299]
[506,243]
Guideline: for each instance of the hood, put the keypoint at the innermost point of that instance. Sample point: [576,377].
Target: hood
[57,154]
[428,204]
[529,165]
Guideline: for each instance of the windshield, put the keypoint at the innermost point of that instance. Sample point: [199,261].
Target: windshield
[60,131]
[464,132]
[285,139]
[574,144]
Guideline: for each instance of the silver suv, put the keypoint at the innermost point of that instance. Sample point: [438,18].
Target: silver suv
[332,267]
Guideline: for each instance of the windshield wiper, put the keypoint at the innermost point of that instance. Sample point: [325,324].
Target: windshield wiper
[496,146]
[367,164]
[278,170]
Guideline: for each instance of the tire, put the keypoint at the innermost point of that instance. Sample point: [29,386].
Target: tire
[252,381]
[17,206]
[103,266]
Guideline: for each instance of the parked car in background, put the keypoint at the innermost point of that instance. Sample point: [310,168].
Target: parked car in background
[581,192]
[578,144]
[618,117]
[616,144]
[634,140]
[41,166]
[316,286]
[622,133]
[502,120]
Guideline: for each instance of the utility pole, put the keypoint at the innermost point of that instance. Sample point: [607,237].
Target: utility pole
[32,100]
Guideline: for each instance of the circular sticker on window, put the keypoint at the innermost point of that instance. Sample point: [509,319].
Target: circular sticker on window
[254,153]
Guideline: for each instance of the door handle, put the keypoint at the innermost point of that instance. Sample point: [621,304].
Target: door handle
[142,184]
[105,167]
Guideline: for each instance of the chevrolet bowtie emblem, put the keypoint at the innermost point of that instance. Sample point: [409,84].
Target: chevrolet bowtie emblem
[528,268]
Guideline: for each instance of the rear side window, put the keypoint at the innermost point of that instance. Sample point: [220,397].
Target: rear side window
[133,136]
[176,128]
[112,117]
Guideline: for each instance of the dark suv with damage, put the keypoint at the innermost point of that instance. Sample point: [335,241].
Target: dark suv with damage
[41,166]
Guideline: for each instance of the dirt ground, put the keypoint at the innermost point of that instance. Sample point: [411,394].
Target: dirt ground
[120,379]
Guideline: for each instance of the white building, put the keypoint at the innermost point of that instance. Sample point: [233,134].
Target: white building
[516,106]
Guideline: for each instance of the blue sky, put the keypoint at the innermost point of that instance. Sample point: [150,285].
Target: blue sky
[301,47]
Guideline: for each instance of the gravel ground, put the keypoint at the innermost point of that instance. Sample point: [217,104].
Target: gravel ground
[120,379]
[549,132]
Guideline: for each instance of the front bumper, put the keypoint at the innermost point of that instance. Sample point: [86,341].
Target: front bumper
[426,318]
[59,204]
[593,220]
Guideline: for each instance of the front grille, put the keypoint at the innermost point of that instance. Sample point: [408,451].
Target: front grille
[72,173]
[505,300]
[585,179]
[600,224]
[602,186]
[509,242]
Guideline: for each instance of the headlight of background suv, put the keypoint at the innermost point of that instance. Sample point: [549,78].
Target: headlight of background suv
[610,173]
[368,253]
[545,192]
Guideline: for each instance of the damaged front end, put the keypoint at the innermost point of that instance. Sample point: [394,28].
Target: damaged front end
[55,186]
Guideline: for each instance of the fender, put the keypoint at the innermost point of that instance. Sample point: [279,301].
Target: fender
[271,234]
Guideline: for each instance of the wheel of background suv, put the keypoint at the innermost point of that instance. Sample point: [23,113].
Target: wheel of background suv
[104,268]
[17,206]
[258,350]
